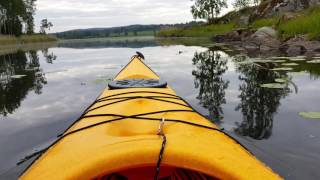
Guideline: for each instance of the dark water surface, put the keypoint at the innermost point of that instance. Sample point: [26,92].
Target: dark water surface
[58,83]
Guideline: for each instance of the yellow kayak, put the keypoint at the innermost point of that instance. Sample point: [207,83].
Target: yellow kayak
[140,129]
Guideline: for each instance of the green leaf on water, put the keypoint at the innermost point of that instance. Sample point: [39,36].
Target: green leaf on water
[314,61]
[310,115]
[297,59]
[281,58]
[262,60]
[279,61]
[274,85]
[244,62]
[282,69]
[281,80]
[102,81]
[18,76]
[290,64]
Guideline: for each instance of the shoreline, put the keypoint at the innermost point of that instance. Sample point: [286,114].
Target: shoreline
[6,40]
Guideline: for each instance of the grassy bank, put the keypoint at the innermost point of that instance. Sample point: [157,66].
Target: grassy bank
[25,39]
[306,22]
[197,31]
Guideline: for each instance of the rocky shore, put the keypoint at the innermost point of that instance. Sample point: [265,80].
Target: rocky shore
[266,39]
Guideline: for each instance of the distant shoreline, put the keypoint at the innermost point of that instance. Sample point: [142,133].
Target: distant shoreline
[120,38]
[10,41]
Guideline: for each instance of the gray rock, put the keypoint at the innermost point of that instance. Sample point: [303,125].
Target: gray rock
[243,21]
[299,45]
[265,32]
[270,8]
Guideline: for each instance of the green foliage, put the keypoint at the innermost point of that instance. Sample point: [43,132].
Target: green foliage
[24,39]
[265,22]
[132,30]
[308,23]
[208,9]
[45,24]
[16,16]
[197,31]
[239,4]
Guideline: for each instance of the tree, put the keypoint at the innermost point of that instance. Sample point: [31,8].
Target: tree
[208,9]
[239,4]
[45,24]
[29,19]
[15,15]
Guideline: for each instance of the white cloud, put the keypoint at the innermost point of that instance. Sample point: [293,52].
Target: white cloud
[77,14]
[73,14]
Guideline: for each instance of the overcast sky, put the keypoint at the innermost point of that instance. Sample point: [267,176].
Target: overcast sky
[79,14]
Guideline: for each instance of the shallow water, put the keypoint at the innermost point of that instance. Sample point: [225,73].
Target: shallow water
[58,83]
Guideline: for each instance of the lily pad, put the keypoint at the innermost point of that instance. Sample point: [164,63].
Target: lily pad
[300,56]
[314,61]
[310,115]
[261,61]
[281,58]
[57,71]
[244,62]
[290,64]
[18,76]
[281,80]
[282,69]
[274,85]
[279,61]
[32,69]
[102,81]
[297,59]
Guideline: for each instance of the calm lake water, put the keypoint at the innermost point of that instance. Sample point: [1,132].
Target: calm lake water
[44,91]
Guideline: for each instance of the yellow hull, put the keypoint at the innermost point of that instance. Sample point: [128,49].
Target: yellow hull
[93,147]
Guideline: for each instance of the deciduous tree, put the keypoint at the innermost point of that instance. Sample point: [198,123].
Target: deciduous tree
[208,9]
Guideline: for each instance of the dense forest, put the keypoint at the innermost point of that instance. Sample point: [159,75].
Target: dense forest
[132,30]
[16,17]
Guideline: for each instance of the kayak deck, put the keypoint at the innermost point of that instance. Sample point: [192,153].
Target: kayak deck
[118,135]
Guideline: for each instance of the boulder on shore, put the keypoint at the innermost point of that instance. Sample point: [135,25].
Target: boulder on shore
[299,45]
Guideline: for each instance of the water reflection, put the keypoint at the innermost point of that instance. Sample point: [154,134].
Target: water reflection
[210,67]
[257,104]
[19,73]
[108,43]
[49,57]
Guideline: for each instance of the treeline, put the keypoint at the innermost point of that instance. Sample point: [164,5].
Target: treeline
[16,17]
[132,30]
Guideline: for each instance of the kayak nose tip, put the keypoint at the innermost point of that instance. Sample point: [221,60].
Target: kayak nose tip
[139,54]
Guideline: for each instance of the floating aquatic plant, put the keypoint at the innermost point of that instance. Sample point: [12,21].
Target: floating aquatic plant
[18,76]
[281,80]
[279,61]
[102,81]
[290,64]
[310,115]
[261,60]
[314,61]
[297,59]
[281,58]
[274,85]
[282,69]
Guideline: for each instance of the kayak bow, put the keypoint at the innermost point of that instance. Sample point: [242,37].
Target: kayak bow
[140,129]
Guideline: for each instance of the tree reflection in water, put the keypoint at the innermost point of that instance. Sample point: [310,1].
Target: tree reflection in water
[210,67]
[258,105]
[13,89]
